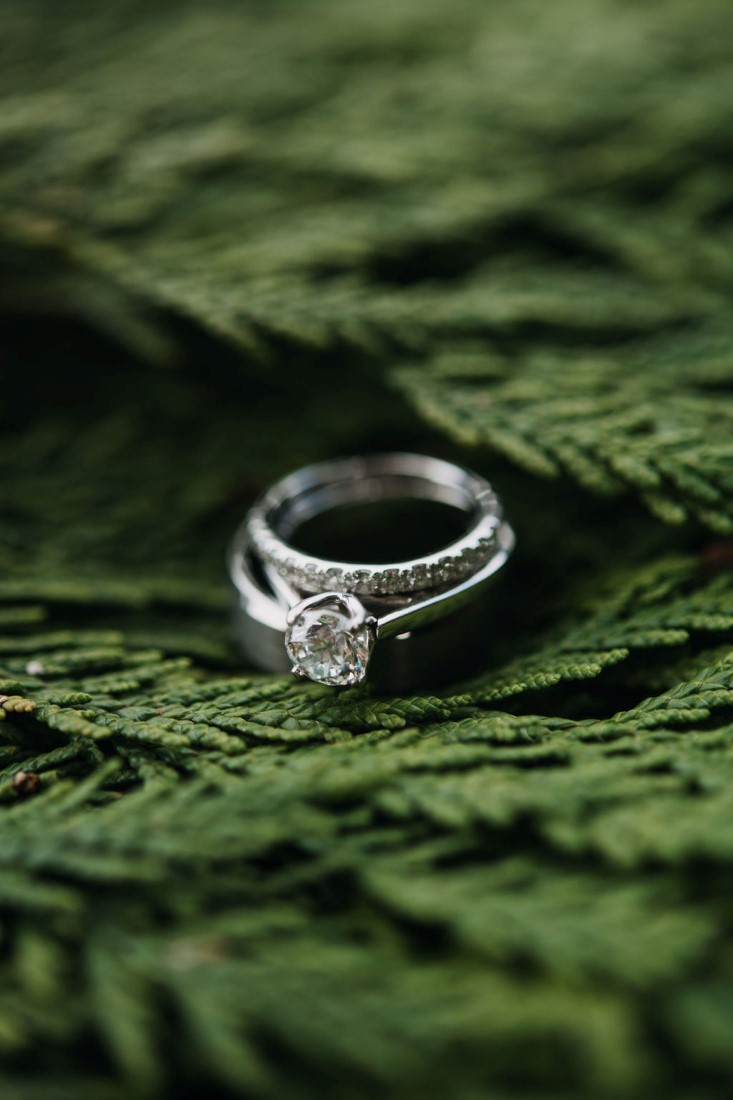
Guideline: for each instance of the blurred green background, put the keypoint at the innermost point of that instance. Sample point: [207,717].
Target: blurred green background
[238,237]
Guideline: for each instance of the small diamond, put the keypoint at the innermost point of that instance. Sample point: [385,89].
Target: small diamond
[420,576]
[330,639]
[389,579]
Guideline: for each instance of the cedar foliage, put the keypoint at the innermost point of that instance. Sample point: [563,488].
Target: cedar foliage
[239,237]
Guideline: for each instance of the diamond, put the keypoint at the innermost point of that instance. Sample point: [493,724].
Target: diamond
[330,639]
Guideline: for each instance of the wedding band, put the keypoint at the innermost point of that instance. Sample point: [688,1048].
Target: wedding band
[327,618]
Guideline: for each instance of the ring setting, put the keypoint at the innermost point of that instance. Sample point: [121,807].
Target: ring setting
[329,639]
[328,620]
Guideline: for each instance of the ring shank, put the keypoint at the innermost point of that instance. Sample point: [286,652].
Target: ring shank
[369,478]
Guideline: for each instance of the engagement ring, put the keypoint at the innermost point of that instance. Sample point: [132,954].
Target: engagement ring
[331,620]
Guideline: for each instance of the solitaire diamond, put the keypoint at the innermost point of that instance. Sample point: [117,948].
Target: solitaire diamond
[330,639]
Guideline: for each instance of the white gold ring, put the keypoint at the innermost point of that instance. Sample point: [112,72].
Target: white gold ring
[328,617]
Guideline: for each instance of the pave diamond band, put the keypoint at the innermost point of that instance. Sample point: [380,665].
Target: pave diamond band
[297,498]
[391,580]
[334,621]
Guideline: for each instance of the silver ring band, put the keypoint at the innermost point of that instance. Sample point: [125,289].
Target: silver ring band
[327,618]
[308,492]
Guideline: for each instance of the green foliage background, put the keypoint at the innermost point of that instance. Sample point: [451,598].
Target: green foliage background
[241,236]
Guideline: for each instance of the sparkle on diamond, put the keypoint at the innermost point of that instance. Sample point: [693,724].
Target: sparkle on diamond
[322,644]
